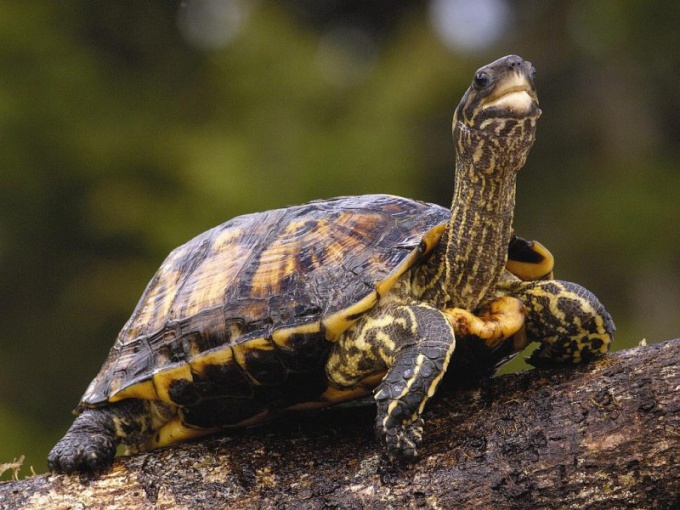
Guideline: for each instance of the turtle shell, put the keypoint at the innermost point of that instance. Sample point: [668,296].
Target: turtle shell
[250,309]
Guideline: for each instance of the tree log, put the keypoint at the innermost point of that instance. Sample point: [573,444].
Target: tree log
[604,435]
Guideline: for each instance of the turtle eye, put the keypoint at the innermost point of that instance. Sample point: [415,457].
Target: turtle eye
[482,80]
[533,73]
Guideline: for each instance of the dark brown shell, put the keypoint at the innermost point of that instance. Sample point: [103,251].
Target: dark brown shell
[257,283]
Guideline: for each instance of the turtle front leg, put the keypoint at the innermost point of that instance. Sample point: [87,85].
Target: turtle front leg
[90,444]
[413,344]
[568,320]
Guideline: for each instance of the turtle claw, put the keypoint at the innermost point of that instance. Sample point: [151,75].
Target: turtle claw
[400,440]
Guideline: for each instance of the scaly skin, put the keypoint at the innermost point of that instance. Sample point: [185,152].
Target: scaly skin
[414,344]
[90,443]
[465,269]
[73,453]
[568,320]
[493,129]
[492,144]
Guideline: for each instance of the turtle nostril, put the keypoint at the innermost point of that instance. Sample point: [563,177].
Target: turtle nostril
[514,61]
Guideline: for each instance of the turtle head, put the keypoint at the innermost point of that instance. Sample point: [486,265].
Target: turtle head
[494,128]
[497,116]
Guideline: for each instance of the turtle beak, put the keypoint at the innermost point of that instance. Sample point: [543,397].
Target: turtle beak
[514,90]
[514,93]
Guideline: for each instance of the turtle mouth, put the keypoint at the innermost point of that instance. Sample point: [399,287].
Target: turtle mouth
[514,94]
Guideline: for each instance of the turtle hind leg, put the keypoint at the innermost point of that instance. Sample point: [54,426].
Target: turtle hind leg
[89,445]
[91,442]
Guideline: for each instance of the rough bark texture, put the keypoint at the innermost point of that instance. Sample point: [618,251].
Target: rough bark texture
[606,435]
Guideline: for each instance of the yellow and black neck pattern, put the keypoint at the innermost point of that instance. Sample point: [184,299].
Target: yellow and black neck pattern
[494,128]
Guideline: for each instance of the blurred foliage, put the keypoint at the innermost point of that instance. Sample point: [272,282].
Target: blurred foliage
[124,133]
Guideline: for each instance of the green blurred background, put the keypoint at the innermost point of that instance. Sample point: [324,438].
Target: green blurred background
[126,128]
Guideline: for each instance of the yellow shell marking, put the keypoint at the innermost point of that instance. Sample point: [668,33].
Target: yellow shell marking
[241,350]
[144,390]
[220,356]
[163,379]
[340,322]
[175,431]
[281,337]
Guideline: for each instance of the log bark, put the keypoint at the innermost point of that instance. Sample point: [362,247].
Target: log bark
[605,435]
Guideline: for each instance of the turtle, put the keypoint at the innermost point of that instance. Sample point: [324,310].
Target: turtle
[334,300]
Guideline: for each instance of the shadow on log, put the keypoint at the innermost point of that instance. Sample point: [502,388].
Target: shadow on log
[605,435]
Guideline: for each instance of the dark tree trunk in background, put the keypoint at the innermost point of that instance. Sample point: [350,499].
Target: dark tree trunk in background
[606,435]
